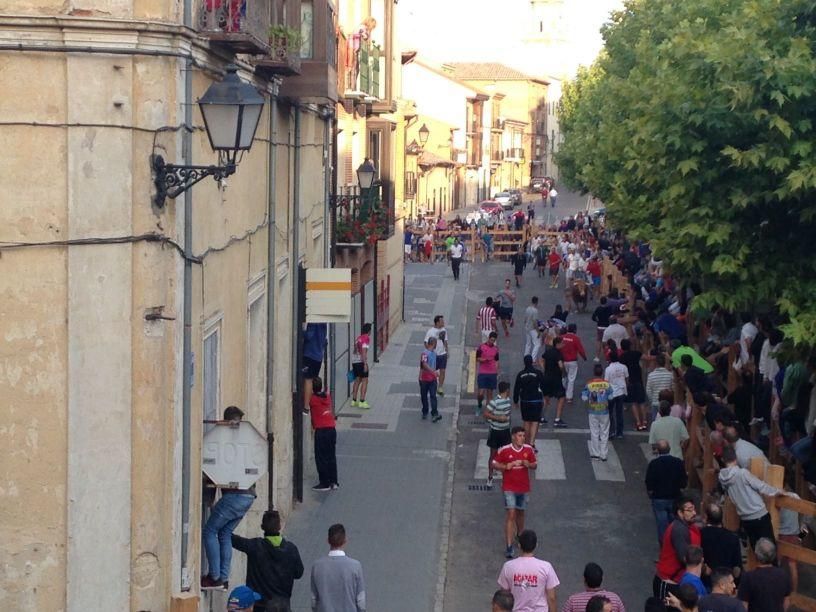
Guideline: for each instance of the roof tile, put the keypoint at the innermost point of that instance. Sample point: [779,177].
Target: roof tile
[492,71]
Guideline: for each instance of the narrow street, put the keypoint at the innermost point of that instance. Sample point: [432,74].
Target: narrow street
[581,510]
[428,538]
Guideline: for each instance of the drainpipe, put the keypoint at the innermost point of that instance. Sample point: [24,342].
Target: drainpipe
[187,341]
[330,152]
[271,281]
[298,308]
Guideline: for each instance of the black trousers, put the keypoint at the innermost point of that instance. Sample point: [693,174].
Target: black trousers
[275,604]
[759,528]
[455,263]
[325,442]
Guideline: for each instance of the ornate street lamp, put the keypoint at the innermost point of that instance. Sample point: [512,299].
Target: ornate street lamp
[424,132]
[365,179]
[365,174]
[231,110]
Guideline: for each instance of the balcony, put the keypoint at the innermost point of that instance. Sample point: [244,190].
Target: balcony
[240,25]
[284,54]
[361,219]
[514,154]
[316,79]
[496,155]
[362,78]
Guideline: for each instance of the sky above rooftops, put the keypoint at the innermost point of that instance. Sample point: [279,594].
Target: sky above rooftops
[506,31]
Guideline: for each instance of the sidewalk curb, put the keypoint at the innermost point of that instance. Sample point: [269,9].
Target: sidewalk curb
[447,508]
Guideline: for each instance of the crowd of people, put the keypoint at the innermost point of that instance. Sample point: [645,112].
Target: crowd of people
[655,359]
[654,363]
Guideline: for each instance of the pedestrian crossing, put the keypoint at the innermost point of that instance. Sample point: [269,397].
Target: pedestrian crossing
[551,464]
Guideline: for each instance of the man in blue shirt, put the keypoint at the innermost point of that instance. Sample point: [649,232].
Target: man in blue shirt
[694,569]
[314,347]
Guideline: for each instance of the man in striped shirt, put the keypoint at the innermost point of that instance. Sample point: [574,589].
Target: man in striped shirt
[497,415]
[593,578]
[487,319]
[660,378]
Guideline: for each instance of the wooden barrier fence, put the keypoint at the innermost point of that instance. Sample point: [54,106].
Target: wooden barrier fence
[504,242]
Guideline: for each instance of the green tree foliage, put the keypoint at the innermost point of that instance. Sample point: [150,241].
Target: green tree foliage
[697,127]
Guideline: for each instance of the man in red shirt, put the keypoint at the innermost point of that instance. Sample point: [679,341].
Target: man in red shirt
[554,262]
[515,460]
[325,437]
[594,272]
[681,533]
[571,347]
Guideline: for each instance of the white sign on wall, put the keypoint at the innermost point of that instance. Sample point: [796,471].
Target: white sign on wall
[234,455]
[328,295]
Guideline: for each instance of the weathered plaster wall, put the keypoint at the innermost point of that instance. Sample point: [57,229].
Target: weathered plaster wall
[33,357]
[99,334]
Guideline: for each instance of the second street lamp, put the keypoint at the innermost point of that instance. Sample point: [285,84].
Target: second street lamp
[424,132]
[231,110]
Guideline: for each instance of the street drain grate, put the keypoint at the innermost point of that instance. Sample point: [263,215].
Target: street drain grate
[482,487]
[476,422]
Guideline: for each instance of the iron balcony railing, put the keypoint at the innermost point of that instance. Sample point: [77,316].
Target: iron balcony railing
[241,24]
[363,216]
[368,81]
[514,153]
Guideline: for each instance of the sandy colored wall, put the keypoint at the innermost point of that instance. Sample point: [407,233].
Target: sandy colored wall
[33,359]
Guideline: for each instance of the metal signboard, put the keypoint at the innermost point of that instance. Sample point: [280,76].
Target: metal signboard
[234,455]
[328,295]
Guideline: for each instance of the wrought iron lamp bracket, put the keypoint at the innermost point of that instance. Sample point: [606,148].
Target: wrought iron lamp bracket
[171,180]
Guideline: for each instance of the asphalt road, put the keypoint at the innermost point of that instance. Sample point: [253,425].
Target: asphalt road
[582,510]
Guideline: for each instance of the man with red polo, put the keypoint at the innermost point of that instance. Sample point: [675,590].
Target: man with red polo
[515,460]
[571,347]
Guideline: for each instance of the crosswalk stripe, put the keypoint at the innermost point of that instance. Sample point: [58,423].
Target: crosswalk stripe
[611,469]
[482,455]
[647,450]
[550,461]
[471,385]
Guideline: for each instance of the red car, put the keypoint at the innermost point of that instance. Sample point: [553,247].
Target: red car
[491,207]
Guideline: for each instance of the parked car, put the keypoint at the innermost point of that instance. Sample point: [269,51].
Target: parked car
[491,207]
[505,199]
[516,196]
[537,184]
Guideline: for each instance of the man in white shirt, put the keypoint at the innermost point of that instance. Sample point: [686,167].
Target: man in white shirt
[616,374]
[615,331]
[553,196]
[532,339]
[456,251]
[439,332]
[573,260]
[747,335]
[531,580]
